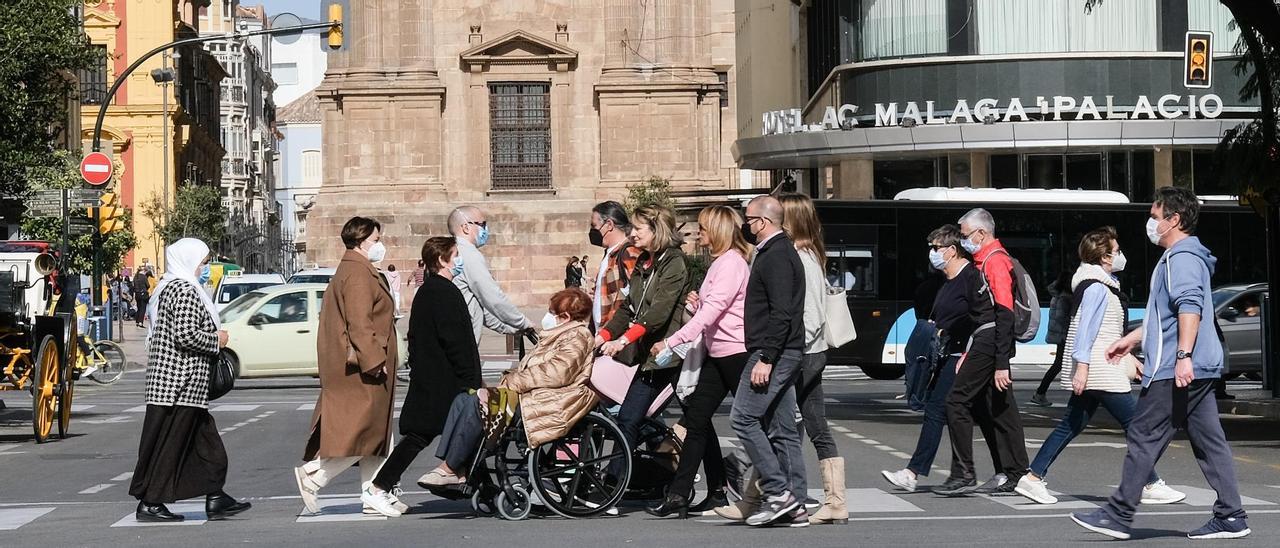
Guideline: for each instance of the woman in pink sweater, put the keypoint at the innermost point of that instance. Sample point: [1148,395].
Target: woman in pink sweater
[717,319]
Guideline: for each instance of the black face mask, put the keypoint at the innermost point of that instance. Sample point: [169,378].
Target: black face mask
[746,233]
[595,237]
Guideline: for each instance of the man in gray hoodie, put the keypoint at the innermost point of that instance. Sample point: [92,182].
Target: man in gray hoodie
[1184,359]
[488,305]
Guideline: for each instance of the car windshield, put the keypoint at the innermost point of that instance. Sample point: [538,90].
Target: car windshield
[228,293]
[310,279]
[239,306]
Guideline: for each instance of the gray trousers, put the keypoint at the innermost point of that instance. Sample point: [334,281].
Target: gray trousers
[1149,434]
[764,419]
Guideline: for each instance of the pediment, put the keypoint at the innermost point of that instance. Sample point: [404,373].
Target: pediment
[519,48]
[100,19]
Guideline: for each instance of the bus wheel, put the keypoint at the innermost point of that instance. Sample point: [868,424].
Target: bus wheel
[884,372]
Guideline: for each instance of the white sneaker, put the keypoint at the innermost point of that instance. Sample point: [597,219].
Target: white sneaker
[395,494]
[1036,490]
[380,501]
[309,498]
[902,479]
[1159,492]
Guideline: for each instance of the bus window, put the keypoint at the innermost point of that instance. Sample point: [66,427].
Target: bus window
[852,268]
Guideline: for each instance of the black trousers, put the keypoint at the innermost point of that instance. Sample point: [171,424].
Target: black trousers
[1053,371]
[720,377]
[974,398]
[411,443]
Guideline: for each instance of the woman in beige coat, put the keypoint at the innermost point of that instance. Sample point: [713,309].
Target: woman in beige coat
[356,351]
[551,381]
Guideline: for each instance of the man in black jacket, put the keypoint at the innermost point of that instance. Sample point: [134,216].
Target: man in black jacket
[765,405]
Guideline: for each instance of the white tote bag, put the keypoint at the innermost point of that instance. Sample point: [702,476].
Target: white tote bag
[840,329]
[694,354]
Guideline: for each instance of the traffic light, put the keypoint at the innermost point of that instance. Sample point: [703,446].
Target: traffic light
[1197,60]
[110,214]
[338,13]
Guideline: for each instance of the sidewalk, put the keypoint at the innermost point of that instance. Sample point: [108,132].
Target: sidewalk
[1257,402]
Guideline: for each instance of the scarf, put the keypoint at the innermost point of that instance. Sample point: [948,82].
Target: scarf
[182,262]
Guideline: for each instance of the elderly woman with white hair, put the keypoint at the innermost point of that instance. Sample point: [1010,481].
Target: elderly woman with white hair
[181,454]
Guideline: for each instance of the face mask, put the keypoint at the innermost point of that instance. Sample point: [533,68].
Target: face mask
[1118,261]
[550,321]
[377,252]
[969,246]
[936,259]
[1153,231]
[457,267]
[595,237]
[205,274]
[483,237]
[746,233]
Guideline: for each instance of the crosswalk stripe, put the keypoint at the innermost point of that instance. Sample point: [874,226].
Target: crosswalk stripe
[1199,496]
[192,511]
[306,407]
[13,518]
[341,509]
[865,500]
[97,488]
[236,407]
[1019,502]
[136,409]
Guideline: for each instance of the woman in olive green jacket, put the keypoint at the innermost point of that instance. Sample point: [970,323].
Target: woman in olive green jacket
[652,311]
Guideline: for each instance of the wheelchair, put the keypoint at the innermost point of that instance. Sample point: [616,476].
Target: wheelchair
[569,475]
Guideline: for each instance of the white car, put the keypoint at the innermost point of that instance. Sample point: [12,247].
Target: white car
[234,284]
[272,331]
[312,276]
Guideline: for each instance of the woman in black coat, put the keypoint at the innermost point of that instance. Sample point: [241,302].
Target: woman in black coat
[443,358]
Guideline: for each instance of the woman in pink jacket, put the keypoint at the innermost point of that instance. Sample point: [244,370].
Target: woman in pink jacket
[718,318]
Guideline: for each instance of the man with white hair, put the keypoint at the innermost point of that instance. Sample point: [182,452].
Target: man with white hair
[983,389]
[488,305]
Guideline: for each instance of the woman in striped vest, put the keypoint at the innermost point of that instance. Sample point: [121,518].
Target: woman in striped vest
[1098,318]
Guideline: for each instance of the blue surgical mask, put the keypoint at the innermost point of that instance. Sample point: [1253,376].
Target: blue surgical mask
[205,274]
[457,267]
[483,237]
[969,246]
[936,259]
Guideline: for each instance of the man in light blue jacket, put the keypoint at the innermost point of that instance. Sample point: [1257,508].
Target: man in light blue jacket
[1184,359]
[488,305]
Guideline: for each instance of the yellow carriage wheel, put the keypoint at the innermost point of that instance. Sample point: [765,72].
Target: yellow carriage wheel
[44,381]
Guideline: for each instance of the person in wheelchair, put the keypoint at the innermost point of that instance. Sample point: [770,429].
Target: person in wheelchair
[551,385]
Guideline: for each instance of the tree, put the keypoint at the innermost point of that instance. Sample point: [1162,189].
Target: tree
[41,44]
[65,173]
[653,191]
[196,213]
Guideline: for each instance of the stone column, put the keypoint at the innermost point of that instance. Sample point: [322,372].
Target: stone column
[854,179]
[367,36]
[1164,167]
[978,172]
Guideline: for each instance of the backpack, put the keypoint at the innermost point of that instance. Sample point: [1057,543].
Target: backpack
[1026,303]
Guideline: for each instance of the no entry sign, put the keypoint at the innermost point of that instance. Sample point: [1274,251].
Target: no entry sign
[96,168]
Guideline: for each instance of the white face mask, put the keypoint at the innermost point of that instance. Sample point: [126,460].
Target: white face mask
[550,321]
[377,252]
[1118,261]
[970,246]
[937,260]
[1153,231]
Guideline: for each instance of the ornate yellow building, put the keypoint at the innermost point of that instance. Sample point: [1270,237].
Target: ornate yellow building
[137,121]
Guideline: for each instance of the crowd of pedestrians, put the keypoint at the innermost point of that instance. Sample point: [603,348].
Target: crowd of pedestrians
[758,317]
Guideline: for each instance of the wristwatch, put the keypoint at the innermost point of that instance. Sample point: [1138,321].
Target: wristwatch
[1182,354]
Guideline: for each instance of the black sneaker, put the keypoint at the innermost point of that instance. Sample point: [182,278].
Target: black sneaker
[955,487]
[775,508]
[990,486]
[1004,489]
[811,503]
[797,518]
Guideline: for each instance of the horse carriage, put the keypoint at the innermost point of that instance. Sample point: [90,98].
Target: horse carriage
[36,348]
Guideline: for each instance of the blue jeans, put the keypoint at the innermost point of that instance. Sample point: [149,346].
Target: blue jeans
[1121,405]
[917,377]
[764,418]
[935,418]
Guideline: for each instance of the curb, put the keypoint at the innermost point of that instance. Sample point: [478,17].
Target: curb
[1269,409]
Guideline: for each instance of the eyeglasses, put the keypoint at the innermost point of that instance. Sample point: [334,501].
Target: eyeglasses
[936,247]
[754,218]
[971,233]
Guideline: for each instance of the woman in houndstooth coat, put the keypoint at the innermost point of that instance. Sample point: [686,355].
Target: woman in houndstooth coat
[181,454]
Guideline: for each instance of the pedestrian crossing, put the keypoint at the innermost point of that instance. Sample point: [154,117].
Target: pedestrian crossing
[863,502]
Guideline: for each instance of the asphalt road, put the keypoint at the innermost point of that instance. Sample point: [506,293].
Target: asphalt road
[73,492]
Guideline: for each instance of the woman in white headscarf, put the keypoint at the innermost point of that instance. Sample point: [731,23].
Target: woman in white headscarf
[181,454]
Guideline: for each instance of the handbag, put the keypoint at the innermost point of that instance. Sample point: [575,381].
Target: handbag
[840,329]
[222,376]
[692,369]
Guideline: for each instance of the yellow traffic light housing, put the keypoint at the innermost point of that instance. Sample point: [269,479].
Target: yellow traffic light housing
[110,214]
[335,33]
[1197,60]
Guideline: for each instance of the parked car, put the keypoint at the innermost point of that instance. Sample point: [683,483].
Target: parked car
[312,276]
[236,283]
[1239,311]
[272,331]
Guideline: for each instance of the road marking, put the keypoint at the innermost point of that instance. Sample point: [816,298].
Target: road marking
[236,407]
[123,477]
[1019,502]
[841,429]
[1028,516]
[869,441]
[192,511]
[865,500]
[885,448]
[306,407]
[342,509]
[136,409]
[11,519]
[900,454]
[97,488]
[79,408]
[1199,496]
[114,419]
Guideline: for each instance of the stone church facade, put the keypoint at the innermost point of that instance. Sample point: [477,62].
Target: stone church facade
[532,110]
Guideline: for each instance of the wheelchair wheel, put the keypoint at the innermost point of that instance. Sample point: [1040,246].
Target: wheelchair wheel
[571,474]
[513,503]
[482,505]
